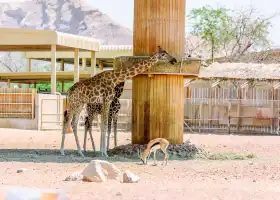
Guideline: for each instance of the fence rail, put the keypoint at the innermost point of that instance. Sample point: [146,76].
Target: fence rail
[232,115]
[51,119]
[17,103]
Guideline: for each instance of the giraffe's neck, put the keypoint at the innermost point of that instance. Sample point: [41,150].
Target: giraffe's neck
[129,72]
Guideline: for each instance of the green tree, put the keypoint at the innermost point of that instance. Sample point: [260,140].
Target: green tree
[210,24]
[232,32]
[47,86]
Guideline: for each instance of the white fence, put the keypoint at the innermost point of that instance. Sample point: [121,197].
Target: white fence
[51,114]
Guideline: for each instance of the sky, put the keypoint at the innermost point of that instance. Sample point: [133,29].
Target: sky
[122,11]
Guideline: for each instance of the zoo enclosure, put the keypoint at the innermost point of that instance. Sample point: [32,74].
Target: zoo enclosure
[232,109]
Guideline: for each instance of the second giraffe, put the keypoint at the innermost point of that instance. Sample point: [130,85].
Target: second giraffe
[96,109]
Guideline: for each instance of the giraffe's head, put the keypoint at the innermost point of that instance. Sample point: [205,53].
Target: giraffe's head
[163,55]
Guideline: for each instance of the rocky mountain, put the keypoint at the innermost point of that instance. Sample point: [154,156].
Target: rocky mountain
[70,16]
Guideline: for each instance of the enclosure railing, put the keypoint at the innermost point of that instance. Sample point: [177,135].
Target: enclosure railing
[52,118]
[17,103]
[232,115]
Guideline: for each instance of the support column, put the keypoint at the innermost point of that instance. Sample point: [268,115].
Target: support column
[28,67]
[9,83]
[158,99]
[93,63]
[84,64]
[53,76]
[76,66]
[62,70]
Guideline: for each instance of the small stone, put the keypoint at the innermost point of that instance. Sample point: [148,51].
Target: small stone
[76,176]
[129,177]
[21,170]
[119,194]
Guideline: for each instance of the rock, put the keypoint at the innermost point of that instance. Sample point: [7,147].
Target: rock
[76,176]
[129,177]
[21,170]
[100,171]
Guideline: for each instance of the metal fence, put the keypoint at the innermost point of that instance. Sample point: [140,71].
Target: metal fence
[51,114]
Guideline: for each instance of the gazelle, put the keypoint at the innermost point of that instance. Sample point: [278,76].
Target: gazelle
[153,146]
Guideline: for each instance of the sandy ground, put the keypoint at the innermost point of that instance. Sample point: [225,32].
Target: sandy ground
[257,178]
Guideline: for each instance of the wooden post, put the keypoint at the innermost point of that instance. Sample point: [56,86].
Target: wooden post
[158,100]
[76,66]
[229,107]
[9,83]
[28,67]
[53,74]
[93,63]
[272,110]
[62,70]
[238,108]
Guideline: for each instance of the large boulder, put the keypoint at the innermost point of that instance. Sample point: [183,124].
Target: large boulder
[100,171]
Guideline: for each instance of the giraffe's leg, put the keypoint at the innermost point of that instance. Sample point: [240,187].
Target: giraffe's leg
[75,130]
[104,122]
[115,125]
[90,131]
[68,114]
[109,130]
[85,134]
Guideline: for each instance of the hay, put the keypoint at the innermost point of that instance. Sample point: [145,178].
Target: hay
[176,151]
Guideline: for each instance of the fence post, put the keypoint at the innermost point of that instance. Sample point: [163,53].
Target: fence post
[229,107]
[278,126]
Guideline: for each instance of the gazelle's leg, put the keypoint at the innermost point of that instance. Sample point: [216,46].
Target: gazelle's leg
[166,155]
[155,152]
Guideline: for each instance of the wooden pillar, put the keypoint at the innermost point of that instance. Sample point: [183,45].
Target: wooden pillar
[76,66]
[62,70]
[93,63]
[53,73]
[158,100]
[159,23]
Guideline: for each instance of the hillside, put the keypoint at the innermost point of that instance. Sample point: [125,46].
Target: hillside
[70,16]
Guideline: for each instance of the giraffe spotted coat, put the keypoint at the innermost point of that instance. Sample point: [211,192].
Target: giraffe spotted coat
[96,109]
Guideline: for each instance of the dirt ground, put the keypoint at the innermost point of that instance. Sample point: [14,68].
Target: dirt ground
[256,178]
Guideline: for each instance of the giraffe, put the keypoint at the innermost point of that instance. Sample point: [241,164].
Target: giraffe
[100,89]
[96,109]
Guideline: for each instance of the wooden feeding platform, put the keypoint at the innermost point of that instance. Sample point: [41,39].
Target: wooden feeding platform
[158,98]
[186,67]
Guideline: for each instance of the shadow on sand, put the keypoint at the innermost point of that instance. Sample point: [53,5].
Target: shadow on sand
[71,156]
